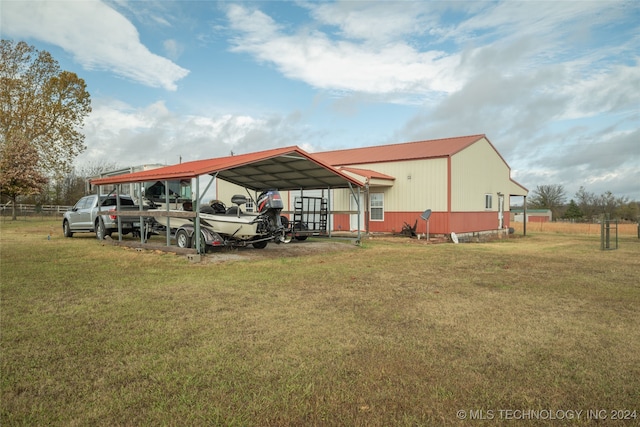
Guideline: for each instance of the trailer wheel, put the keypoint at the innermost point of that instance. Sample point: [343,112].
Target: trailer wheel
[182,239]
[203,245]
[300,226]
[260,245]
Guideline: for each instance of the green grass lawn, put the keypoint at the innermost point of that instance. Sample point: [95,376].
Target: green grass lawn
[390,333]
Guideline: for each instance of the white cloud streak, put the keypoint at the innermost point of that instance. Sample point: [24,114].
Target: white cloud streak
[98,37]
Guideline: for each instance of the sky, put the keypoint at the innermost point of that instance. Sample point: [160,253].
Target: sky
[554,85]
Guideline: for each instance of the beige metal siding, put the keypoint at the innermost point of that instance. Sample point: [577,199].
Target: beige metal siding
[341,199]
[476,171]
[418,185]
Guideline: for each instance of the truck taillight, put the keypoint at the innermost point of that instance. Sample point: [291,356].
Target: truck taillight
[113,215]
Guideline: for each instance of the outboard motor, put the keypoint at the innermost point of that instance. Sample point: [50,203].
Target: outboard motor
[270,205]
[270,199]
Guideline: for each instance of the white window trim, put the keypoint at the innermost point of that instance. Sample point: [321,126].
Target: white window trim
[371,208]
[488,202]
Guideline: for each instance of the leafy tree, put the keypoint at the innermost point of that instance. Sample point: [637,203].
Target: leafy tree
[548,197]
[19,172]
[41,107]
[629,211]
[573,212]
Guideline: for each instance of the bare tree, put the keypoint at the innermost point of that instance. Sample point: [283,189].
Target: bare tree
[548,197]
[587,202]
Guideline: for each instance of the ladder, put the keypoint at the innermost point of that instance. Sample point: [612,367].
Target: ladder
[310,214]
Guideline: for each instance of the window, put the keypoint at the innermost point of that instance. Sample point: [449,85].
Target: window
[488,201]
[376,207]
[248,207]
[84,203]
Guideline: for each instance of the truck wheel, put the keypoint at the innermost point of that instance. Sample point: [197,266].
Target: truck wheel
[182,239]
[66,229]
[100,230]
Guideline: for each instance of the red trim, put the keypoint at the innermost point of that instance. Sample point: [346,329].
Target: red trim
[439,222]
[394,221]
[467,222]
[341,222]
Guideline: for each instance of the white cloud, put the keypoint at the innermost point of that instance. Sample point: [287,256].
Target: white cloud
[321,61]
[376,21]
[154,134]
[97,36]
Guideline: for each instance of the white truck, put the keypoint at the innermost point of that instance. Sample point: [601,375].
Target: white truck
[89,216]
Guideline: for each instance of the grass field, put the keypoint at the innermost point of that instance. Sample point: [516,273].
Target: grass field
[392,333]
[627,229]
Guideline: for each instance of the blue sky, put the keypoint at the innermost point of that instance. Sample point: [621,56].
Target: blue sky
[554,85]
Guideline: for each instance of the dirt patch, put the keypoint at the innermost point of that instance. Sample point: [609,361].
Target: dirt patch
[273,250]
[293,249]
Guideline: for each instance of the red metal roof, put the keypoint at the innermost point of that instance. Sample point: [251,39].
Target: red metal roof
[397,152]
[367,173]
[284,168]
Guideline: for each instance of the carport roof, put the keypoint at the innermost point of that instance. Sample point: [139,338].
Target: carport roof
[288,168]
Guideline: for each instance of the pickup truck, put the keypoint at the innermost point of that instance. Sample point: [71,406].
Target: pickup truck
[87,216]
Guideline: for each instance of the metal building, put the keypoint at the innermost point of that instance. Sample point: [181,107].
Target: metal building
[464,181]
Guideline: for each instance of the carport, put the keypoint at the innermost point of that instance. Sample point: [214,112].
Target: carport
[288,168]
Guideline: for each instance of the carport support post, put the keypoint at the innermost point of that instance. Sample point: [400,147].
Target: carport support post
[357,197]
[118,189]
[524,214]
[167,202]
[196,208]
[329,222]
[213,177]
[143,228]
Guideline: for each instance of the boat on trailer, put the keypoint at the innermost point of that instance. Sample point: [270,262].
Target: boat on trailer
[222,226]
